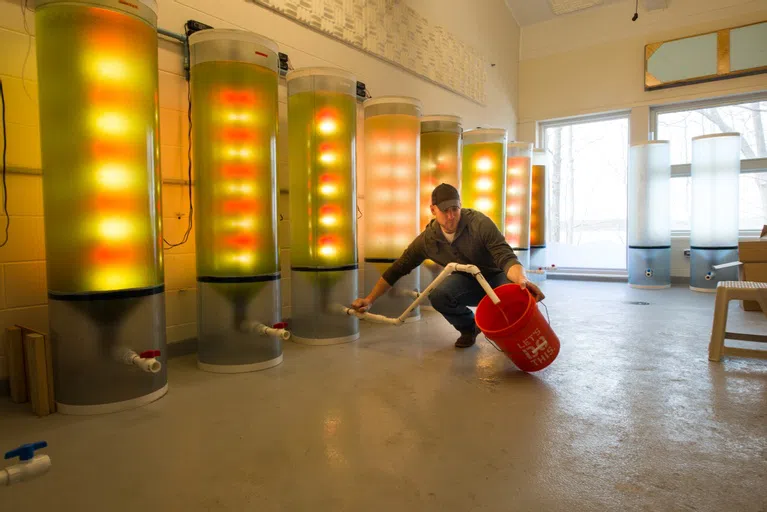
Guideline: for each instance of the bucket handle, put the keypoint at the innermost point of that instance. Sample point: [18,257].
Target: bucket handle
[496,346]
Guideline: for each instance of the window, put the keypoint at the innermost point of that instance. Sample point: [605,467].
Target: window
[744,114]
[587,215]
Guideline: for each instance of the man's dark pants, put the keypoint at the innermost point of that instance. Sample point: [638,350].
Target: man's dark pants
[455,294]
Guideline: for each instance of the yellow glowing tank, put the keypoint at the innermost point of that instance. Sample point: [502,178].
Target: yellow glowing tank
[322,136]
[440,158]
[538,201]
[234,123]
[97,71]
[483,183]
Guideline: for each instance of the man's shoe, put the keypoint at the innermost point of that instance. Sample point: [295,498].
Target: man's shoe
[467,338]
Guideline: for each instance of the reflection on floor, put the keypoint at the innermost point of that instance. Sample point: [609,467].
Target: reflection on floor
[631,416]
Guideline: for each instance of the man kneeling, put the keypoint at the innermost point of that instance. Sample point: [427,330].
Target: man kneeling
[459,235]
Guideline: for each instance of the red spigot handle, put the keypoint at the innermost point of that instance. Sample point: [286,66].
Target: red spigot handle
[280,325]
[148,354]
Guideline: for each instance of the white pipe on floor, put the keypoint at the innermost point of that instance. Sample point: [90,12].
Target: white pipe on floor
[27,470]
[265,330]
[379,319]
[128,356]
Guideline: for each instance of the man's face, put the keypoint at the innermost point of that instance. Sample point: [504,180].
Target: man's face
[447,219]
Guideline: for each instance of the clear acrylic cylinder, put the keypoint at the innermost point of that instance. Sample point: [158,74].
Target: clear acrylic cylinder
[539,190]
[97,66]
[518,199]
[234,78]
[392,138]
[649,215]
[715,209]
[440,163]
[322,125]
[483,181]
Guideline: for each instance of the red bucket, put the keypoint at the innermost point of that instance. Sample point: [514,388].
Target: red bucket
[527,338]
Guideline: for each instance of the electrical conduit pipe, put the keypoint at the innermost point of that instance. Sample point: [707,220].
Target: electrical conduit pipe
[146,361]
[449,269]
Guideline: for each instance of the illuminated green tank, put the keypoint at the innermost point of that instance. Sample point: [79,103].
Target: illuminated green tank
[97,67]
[483,180]
[322,124]
[440,163]
[234,78]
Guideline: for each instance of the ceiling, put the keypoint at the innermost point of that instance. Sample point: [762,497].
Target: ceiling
[528,12]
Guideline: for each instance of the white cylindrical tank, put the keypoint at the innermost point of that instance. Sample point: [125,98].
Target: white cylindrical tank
[518,198]
[715,209]
[649,215]
[392,136]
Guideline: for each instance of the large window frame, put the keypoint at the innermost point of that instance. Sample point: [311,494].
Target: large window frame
[747,165]
[583,119]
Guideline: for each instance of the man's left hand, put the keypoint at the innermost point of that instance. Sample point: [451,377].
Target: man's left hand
[516,275]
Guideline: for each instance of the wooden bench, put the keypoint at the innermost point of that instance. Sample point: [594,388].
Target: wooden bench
[725,292]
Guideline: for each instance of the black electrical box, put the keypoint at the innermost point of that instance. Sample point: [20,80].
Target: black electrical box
[284,63]
[361,90]
[192,26]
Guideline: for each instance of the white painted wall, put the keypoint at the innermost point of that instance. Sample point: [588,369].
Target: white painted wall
[593,62]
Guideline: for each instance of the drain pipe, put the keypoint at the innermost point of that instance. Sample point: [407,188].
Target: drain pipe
[420,297]
[279,329]
[146,360]
[30,465]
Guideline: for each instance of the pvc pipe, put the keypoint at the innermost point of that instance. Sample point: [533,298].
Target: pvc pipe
[36,466]
[147,364]
[373,317]
[420,297]
[265,330]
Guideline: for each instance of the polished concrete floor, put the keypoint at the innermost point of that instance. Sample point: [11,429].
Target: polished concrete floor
[631,416]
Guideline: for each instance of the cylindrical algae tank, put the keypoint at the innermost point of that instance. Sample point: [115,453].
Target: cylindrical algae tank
[392,137]
[539,208]
[483,180]
[649,215]
[440,163]
[322,125]
[97,67]
[234,78]
[518,197]
[715,209]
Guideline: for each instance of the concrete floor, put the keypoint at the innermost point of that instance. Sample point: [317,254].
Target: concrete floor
[631,416]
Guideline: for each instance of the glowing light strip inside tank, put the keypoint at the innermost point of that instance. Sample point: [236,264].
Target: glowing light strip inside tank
[329,218]
[115,196]
[236,186]
[538,206]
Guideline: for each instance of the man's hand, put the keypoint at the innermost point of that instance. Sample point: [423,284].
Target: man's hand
[516,275]
[362,305]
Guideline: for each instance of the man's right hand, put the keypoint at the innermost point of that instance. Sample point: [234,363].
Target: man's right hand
[362,305]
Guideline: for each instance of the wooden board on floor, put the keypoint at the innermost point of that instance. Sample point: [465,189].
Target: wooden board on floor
[37,373]
[16,367]
[48,363]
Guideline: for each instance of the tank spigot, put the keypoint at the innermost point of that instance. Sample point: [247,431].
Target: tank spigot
[146,360]
[648,273]
[710,275]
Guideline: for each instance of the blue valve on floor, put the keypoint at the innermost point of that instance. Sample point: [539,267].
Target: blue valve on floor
[30,465]
[26,451]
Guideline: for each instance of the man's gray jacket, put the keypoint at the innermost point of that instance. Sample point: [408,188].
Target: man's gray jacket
[477,242]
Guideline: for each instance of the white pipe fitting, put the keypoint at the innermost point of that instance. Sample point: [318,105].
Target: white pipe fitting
[27,470]
[147,364]
[265,330]
[371,317]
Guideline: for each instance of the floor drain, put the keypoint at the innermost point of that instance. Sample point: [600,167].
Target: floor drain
[636,303]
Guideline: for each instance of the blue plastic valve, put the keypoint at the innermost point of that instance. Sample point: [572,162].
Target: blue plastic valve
[26,451]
